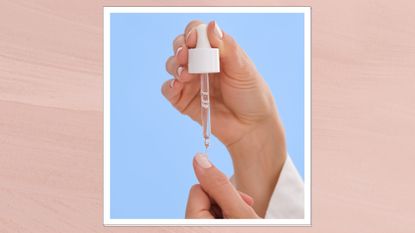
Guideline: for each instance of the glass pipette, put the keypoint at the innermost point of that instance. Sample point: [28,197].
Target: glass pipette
[204,60]
[205,108]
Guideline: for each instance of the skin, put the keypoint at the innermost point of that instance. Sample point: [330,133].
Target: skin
[243,112]
[215,196]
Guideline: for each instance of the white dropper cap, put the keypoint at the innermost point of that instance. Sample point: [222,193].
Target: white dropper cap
[203,58]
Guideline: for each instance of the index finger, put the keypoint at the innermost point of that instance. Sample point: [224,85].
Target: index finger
[198,204]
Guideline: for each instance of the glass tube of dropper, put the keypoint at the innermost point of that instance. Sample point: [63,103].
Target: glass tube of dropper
[205,108]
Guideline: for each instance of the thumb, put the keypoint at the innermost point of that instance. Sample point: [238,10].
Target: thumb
[219,188]
[235,63]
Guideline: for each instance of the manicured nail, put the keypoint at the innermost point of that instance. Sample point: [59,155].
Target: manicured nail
[218,31]
[203,161]
[172,83]
[178,50]
[179,70]
[188,34]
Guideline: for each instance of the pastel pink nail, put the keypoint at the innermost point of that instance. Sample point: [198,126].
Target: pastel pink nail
[178,50]
[179,70]
[218,31]
[202,160]
[171,84]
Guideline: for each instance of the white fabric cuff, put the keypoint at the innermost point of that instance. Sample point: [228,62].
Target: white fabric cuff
[287,201]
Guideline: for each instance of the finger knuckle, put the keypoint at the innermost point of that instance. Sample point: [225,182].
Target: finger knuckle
[178,40]
[162,90]
[167,64]
[195,188]
[170,65]
[182,109]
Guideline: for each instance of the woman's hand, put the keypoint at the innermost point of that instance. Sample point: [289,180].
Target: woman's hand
[243,112]
[215,196]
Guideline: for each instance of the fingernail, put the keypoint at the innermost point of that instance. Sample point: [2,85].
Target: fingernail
[179,70]
[188,34]
[178,50]
[202,160]
[172,83]
[218,31]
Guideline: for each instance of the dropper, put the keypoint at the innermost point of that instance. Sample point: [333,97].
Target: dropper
[204,60]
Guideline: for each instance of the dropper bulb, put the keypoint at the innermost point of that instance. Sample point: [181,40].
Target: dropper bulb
[202,37]
[203,58]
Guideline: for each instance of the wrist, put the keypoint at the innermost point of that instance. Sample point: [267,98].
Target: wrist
[258,158]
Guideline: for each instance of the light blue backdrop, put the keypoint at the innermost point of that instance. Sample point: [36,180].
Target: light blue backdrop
[152,144]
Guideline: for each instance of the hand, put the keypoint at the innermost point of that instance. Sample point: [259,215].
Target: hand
[216,197]
[243,112]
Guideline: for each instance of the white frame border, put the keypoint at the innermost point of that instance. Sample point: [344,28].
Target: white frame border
[307,118]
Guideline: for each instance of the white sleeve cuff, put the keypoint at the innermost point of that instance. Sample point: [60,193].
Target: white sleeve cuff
[287,201]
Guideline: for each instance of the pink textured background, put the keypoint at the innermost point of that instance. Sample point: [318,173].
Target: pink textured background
[363,128]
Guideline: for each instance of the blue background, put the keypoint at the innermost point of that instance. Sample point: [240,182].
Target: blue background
[152,144]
